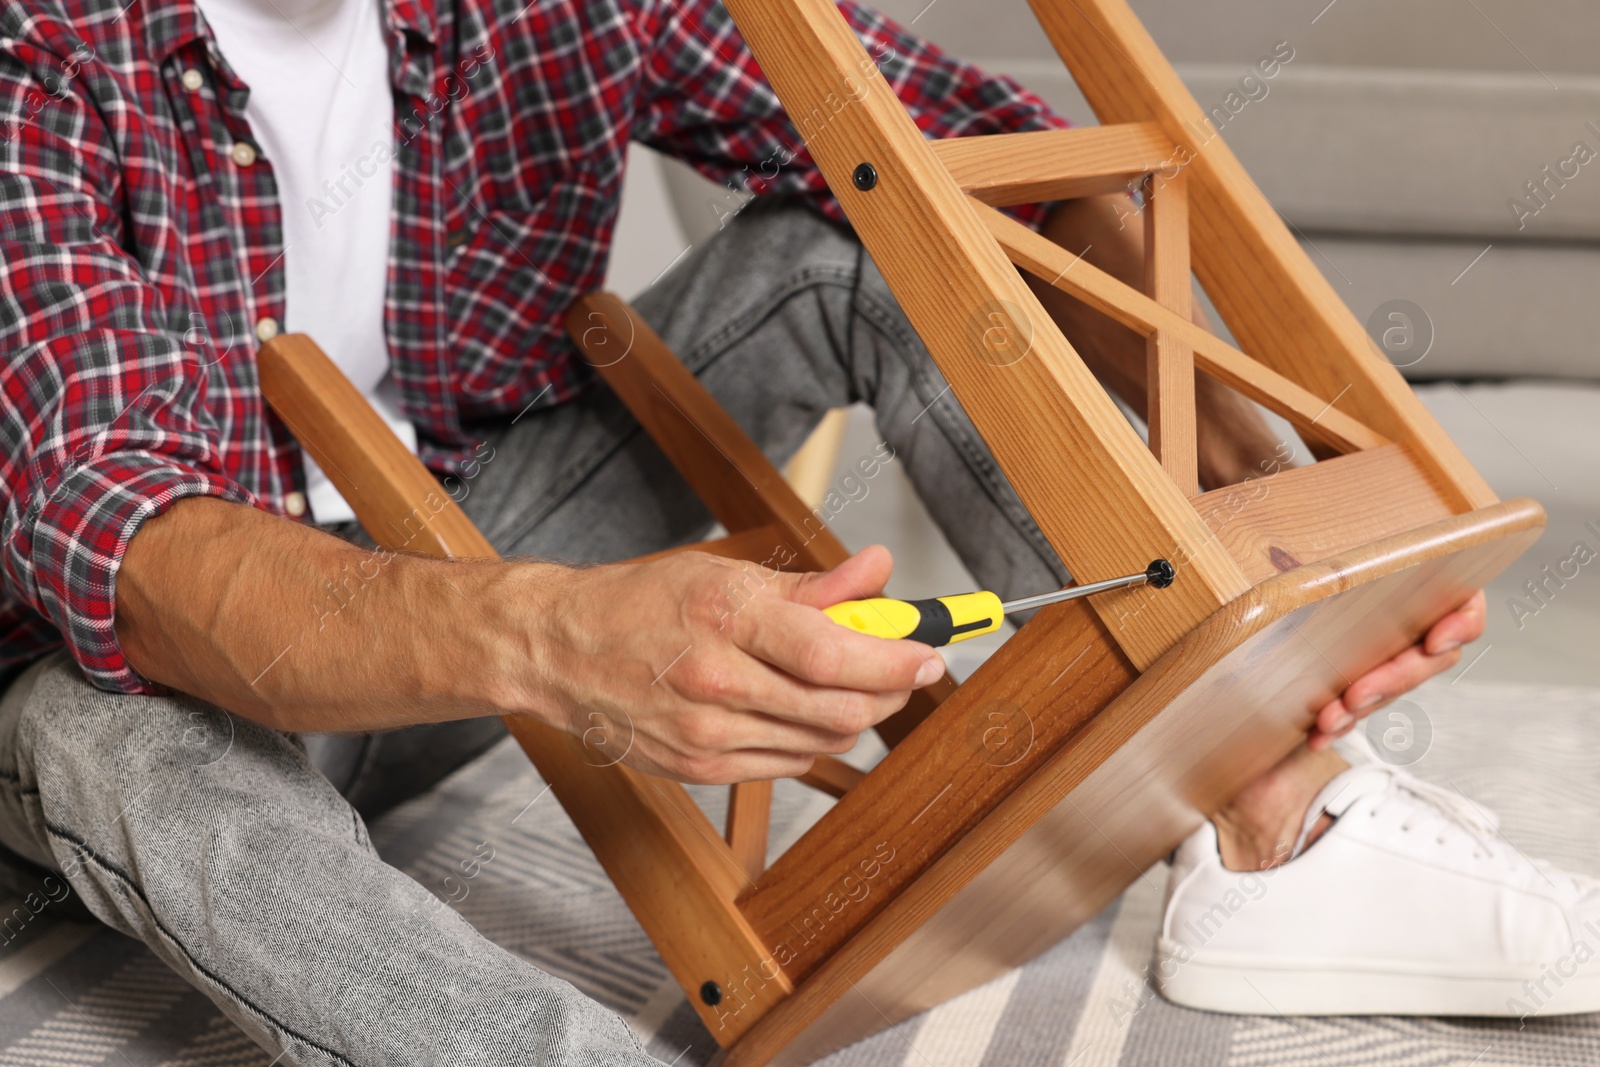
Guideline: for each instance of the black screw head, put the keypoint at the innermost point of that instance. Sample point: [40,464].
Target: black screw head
[1160,573]
[711,993]
[866,176]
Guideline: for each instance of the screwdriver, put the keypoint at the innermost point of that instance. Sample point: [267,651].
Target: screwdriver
[947,619]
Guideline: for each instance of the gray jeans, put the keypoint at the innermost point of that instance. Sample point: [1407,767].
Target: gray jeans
[253,875]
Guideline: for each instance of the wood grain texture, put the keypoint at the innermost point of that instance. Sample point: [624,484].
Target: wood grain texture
[1169,371]
[677,875]
[1226,703]
[735,480]
[810,471]
[832,776]
[939,869]
[729,473]
[756,543]
[350,441]
[1275,301]
[1273,523]
[1059,438]
[1044,165]
[1056,673]
[1315,418]
[655,844]
[749,817]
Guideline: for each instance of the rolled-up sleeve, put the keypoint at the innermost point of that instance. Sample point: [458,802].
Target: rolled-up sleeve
[103,420]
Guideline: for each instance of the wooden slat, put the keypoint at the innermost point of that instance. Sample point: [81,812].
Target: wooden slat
[832,776]
[1047,680]
[1316,419]
[349,440]
[1275,301]
[732,476]
[1227,703]
[811,470]
[737,483]
[1286,517]
[1059,438]
[1170,362]
[655,844]
[756,544]
[749,817]
[1031,168]
[677,875]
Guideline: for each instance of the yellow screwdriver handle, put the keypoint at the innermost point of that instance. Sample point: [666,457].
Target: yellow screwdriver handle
[941,621]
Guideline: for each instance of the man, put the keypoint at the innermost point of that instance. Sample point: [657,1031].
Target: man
[425,186]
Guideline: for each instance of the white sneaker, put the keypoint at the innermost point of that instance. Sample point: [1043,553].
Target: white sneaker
[1410,904]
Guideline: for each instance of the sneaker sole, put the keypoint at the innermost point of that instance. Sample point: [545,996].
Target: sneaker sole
[1245,987]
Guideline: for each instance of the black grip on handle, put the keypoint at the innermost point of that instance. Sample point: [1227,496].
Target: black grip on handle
[934,625]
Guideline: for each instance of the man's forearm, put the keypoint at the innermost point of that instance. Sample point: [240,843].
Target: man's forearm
[701,668]
[302,631]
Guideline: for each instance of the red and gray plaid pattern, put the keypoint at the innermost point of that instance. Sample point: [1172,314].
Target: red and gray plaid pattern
[140,246]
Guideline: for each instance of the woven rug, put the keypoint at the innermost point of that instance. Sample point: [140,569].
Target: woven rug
[74,994]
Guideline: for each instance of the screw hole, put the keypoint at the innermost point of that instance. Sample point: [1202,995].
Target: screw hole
[865,177]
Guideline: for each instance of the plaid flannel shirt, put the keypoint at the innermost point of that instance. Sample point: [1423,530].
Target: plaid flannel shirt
[141,244]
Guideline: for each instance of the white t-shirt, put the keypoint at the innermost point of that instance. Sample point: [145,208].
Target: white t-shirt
[321,109]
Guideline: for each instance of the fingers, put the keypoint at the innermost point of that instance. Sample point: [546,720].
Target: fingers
[1333,721]
[768,708]
[739,675]
[708,732]
[747,765]
[807,644]
[1399,675]
[753,765]
[862,575]
[777,677]
[816,650]
[1460,627]
[1403,673]
[1439,650]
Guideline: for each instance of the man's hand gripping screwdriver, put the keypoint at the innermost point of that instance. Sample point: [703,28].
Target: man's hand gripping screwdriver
[947,619]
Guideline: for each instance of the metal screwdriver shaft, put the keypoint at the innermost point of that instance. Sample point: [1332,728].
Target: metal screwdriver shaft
[947,619]
[1159,574]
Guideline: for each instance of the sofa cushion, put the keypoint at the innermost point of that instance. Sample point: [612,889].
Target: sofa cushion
[1398,152]
[1523,309]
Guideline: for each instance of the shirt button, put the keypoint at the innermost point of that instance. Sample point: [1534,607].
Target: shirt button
[243,153]
[295,504]
[267,328]
[192,79]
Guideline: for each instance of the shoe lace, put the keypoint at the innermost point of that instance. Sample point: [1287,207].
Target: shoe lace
[1450,804]
[1461,813]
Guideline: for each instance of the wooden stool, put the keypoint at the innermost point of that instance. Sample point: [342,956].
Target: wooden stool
[1013,808]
